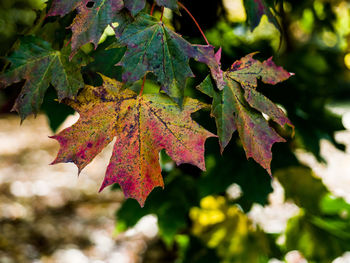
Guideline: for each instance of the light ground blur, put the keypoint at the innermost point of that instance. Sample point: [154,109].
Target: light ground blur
[48,214]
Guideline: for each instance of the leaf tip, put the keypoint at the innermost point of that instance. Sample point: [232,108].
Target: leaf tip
[218,56]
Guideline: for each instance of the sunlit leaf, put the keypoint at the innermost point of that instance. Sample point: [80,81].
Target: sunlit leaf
[142,125]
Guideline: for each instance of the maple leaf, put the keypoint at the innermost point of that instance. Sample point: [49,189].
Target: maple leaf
[135,6]
[39,64]
[90,23]
[91,20]
[142,125]
[237,107]
[256,9]
[152,47]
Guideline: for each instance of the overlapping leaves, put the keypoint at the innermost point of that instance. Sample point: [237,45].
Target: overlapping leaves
[63,7]
[92,18]
[95,15]
[239,106]
[152,47]
[142,125]
[40,65]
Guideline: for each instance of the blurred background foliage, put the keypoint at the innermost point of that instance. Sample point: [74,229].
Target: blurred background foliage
[202,216]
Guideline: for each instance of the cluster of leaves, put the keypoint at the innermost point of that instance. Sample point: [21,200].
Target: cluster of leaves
[322,219]
[197,219]
[145,123]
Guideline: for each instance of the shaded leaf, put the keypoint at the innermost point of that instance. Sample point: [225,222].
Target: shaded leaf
[63,7]
[316,242]
[40,65]
[172,4]
[256,9]
[55,112]
[249,176]
[142,125]
[135,6]
[195,251]
[321,230]
[175,210]
[227,229]
[297,182]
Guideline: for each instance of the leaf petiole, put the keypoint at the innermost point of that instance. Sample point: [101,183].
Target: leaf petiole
[152,9]
[195,21]
[143,85]
[161,17]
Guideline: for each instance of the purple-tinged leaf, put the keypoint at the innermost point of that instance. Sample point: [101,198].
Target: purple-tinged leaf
[240,107]
[142,125]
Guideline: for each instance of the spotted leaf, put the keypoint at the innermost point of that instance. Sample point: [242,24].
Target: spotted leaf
[142,125]
[92,19]
[239,106]
[152,47]
[40,65]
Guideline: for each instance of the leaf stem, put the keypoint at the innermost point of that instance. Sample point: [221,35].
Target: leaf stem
[152,9]
[195,21]
[143,85]
[161,17]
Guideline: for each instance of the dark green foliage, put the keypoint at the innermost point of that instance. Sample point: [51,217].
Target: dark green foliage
[152,47]
[56,112]
[39,64]
[175,210]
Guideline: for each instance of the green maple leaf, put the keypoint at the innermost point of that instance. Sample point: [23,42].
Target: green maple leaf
[91,21]
[152,47]
[142,125]
[238,106]
[40,65]
[256,9]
